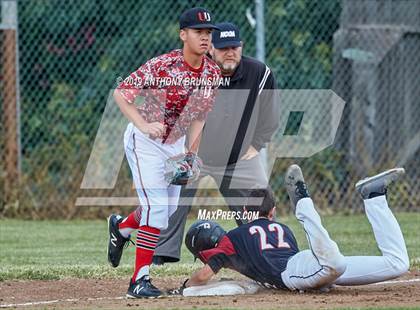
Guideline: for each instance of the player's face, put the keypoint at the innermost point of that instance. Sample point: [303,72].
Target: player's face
[197,40]
[227,58]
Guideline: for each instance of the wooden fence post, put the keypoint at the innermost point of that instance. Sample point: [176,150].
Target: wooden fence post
[10,101]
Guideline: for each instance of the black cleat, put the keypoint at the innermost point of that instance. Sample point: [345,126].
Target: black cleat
[143,288]
[295,184]
[116,242]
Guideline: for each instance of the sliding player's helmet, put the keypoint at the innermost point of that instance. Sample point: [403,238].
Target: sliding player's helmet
[203,235]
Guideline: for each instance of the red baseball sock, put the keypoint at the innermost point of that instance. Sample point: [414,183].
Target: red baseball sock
[130,223]
[147,239]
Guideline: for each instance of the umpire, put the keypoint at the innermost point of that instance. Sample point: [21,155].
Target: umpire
[230,156]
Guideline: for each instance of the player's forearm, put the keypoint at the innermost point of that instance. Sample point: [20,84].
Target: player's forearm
[129,110]
[200,277]
[196,282]
[194,136]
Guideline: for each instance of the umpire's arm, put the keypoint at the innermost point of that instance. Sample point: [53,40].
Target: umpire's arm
[269,114]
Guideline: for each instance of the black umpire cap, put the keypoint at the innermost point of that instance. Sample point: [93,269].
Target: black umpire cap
[226,36]
[196,18]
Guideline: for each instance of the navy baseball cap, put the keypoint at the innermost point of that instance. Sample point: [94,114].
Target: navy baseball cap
[196,18]
[226,36]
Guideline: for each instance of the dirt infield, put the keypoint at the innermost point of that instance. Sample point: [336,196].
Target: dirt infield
[108,294]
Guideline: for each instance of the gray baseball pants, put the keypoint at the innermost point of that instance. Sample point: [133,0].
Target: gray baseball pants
[234,182]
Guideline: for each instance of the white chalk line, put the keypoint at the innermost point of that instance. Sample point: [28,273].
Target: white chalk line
[46,302]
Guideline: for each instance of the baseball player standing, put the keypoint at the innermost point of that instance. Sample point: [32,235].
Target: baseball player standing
[267,252]
[244,118]
[174,106]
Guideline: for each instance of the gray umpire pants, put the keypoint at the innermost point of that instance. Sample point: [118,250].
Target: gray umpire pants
[234,182]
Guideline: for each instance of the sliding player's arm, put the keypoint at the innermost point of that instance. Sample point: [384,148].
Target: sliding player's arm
[200,277]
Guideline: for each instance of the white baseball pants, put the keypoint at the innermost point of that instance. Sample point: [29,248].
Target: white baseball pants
[146,158]
[394,260]
[324,265]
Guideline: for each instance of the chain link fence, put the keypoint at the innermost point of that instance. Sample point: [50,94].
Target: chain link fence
[71,53]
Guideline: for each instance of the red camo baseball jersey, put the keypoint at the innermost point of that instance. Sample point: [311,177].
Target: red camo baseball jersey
[175,93]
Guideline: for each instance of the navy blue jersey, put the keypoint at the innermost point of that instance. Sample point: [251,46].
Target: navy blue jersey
[259,250]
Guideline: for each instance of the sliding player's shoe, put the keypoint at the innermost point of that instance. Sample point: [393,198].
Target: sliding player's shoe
[377,185]
[295,184]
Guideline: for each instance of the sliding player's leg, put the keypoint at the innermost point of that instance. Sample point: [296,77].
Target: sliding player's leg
[323,263]
[394,260]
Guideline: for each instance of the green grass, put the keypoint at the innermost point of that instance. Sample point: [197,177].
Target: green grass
[62,249]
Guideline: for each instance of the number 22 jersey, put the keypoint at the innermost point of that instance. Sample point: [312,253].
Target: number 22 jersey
[259,250]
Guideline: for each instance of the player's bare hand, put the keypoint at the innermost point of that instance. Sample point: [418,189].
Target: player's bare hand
[155,129]
[250,153]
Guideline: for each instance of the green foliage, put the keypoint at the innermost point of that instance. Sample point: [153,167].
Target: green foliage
[328,177]
[301,41]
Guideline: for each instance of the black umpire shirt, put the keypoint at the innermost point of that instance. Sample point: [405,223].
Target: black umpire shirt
[241,118]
